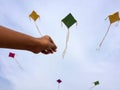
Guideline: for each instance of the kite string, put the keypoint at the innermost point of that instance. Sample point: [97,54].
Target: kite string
[104,36]
[67,39]
[19,65]
[38,28]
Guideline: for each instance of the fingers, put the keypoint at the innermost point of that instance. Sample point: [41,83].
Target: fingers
[50,50]
[49,46]
[54,47]
[47,51]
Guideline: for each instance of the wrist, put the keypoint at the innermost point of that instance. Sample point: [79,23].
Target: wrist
[35,46]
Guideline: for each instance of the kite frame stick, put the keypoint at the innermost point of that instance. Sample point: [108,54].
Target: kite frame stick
[104,36]
[67,39]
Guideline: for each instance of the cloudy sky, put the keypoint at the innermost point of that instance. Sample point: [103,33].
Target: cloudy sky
[82,64]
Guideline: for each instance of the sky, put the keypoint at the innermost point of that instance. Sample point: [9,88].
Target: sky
[83,63]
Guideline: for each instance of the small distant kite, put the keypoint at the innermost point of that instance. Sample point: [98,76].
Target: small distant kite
[95,84]
[69,20]
[112,18]
[59,81]
[12,55]
[35,16]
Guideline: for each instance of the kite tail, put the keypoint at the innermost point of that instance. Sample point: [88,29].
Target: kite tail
[91,87]
[67,39]
[58,86]
[61,24]
[19,65]
[106,18]
[104,36]
[38,29]
[76,24]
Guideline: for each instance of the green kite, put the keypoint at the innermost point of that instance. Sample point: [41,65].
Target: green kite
[68,21]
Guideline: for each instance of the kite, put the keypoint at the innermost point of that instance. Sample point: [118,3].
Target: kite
[112,19]
[35,16]
[12,55]
[59,81]
[95,84]
[69,20]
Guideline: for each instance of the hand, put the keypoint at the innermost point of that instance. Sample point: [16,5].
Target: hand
[45,45]
[15,40]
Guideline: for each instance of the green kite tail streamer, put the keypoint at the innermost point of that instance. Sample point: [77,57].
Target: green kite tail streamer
[38,28]
[61,24]
[104,36]
[67,39]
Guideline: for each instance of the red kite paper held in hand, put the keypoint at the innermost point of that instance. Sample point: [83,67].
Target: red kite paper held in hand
[59,81]
[112,18]
[35,16]
[69,20]
[12,55]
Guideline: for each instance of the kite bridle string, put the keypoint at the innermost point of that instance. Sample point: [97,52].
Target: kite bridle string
[67,39]
[38,29]
[104,36]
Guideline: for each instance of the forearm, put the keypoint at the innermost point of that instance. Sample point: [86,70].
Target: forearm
[15,40]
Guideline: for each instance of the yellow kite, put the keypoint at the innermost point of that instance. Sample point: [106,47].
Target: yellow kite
[35,16]
[112,18]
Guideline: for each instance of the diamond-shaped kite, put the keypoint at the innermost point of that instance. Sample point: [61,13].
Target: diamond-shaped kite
[59,81]
[69,20]
[35,16]
[96,83]
[112,18]
[12,55]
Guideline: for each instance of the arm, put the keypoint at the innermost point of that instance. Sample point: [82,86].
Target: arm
[16,40]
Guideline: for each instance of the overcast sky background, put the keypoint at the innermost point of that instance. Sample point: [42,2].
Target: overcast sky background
[82,65]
